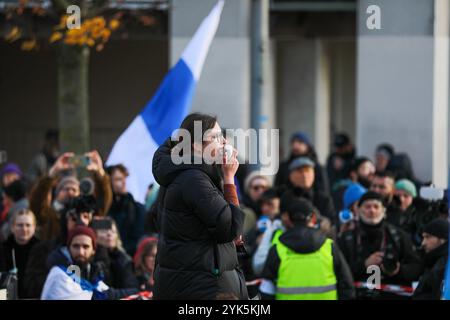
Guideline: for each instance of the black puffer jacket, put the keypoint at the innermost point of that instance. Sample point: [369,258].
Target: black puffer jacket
[197,228]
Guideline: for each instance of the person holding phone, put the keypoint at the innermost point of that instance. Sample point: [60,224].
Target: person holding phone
[199,215]
[61,178]
[121,264]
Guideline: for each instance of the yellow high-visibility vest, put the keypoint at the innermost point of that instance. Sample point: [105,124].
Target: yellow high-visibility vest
[308,276]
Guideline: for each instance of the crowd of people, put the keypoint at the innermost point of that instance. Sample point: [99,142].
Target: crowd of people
[71,230]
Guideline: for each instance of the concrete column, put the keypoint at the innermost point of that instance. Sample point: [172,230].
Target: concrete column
[402,83]
[304,92]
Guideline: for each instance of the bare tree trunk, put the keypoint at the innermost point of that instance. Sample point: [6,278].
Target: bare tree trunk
[73,106]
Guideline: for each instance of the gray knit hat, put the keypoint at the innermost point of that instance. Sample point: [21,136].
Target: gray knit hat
[65,181]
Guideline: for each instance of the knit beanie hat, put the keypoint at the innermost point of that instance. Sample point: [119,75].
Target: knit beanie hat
[407,186]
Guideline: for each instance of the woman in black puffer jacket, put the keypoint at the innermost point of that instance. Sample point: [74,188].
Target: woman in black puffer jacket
[198,218]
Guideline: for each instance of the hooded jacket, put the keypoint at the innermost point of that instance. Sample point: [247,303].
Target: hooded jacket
[196,256]
[305,240]
[431,282]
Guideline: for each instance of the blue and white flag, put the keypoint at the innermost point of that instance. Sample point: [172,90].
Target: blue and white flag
[165,111]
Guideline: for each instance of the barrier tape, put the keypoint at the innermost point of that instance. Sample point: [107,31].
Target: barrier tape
[401,290]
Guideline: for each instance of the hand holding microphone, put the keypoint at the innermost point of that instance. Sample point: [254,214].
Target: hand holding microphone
[230,164]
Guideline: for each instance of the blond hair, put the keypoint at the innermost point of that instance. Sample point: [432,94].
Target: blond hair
[23,212]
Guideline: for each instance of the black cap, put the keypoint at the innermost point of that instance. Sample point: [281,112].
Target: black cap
[438,228]
[370,195]
[298,209]
[269,194]
[340,140]
[16,190]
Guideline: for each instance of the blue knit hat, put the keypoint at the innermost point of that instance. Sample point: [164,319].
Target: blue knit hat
[11,168]
[352,194]
[302,137]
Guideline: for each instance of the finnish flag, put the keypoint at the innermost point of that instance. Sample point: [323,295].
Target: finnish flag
[165,111]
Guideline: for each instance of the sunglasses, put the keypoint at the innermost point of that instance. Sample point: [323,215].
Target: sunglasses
[259,187]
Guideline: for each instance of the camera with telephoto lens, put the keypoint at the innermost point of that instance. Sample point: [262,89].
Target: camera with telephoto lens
[390,260]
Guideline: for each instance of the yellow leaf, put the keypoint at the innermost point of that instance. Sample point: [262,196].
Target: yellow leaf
[114,24]
[55,37]
[28,45]
[75,33]
[82,40]
[90,42]
[105,34]
[62,22]
[13,35]
[96,33]
[99,22]
[70,41]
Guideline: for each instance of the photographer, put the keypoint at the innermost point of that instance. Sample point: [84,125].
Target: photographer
[120,263]
[78,211]
[376,242]
[47,206]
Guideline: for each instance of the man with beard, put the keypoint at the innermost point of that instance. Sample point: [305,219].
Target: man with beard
[362,171]
[384,184]
[78,276]
[128,214]
[301,146]
[435,244]
[375,242]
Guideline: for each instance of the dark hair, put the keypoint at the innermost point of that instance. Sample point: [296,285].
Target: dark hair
[357,162]
[139,259]
[269,195]
[82,204]
[387,148]
[208,122]
[52,135]
[16,190]
[385,174]
[118,167]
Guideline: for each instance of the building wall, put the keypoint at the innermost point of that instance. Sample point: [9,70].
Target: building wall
[123,77]
[397,78]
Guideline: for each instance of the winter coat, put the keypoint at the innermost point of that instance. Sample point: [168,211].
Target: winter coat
[129,216]
[431,282]
[196,256]
[21,255]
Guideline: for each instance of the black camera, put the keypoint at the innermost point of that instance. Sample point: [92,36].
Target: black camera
[390,260]
[82,204]
[87,187]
